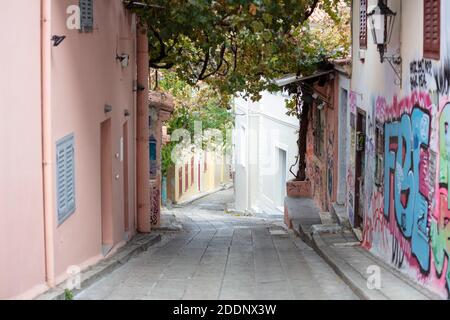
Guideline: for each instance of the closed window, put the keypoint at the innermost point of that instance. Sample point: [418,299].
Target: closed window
[65,177]
[379,152]
[87,15]
[318,132]
[363,24]
[432,29]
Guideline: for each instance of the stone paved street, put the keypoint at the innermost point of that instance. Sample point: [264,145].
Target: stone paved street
[222,256]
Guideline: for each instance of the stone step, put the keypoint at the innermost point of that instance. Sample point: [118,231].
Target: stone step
[326,228]
[339,213]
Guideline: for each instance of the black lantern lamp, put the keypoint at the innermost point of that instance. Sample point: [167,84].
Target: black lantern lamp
[382,22]
[57,40]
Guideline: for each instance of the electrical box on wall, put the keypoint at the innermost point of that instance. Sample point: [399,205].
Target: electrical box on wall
[362,54]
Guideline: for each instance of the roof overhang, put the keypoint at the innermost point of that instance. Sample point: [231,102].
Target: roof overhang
[130,4]
[293,78]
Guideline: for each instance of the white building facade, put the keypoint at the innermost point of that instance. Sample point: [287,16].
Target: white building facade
[265,144]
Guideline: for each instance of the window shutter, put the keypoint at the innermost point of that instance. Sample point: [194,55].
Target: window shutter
[65,177]
[363,24]
[432,29]
[87,15]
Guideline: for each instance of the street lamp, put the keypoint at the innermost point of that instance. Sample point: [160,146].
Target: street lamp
[382,22]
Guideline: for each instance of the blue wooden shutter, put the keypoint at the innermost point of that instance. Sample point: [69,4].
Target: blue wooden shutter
[87,15]
[65,177]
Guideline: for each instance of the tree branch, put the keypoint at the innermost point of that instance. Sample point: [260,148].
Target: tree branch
[311,9]
[235,50]
[162,47]
[221,56]
[205,66]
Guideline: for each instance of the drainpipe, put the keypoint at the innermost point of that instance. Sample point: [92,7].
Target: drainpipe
[143,134]
[47,165]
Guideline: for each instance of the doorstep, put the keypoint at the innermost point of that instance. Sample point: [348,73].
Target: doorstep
[304,217]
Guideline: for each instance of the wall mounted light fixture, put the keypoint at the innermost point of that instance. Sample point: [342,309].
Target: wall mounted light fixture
[124,59]
[382,22]
[57,40]
[107,108]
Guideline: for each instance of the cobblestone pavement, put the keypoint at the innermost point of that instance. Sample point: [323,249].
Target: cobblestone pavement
[223,256]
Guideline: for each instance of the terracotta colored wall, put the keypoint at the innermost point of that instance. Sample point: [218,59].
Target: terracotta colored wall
[85,77]
[22,267]
[322,169]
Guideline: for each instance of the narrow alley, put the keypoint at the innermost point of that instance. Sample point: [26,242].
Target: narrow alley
[218,255]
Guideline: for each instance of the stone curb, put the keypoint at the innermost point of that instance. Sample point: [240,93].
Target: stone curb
[137,245]
[351,277]
[355,281]
[429,294]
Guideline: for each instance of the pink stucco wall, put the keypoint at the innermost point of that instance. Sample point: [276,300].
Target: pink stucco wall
[22,267]
[86,76]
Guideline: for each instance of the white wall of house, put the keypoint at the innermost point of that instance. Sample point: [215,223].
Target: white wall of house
[265,141]
[344,141]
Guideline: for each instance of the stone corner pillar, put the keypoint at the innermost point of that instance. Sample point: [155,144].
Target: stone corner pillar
[160,107]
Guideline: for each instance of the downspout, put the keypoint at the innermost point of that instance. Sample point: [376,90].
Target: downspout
[248,131]
[47,142]
[352,47]
[142,134]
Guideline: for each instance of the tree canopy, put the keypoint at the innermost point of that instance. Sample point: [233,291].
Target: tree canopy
[241,45]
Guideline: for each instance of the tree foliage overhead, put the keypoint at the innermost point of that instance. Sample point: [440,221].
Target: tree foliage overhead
[239,45]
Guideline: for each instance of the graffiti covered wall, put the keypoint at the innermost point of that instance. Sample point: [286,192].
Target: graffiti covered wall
[322,147]
[407,212]
[406,178]
[352,155]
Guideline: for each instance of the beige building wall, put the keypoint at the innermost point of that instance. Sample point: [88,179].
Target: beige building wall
[214,172]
